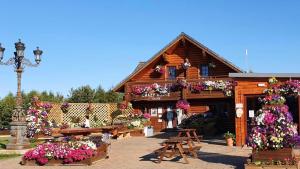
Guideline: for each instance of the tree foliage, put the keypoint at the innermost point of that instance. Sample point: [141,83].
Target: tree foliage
[83,94]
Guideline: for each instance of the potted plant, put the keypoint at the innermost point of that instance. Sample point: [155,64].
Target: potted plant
[229,137]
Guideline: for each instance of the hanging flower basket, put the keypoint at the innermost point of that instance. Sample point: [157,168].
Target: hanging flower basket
[65,107]
[159,69]
[122,106]
[186,64]
[47,106]
[182,104]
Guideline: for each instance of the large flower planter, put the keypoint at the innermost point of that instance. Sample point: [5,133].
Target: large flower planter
[253,166]
[101,153]
[137,133]
[268,155]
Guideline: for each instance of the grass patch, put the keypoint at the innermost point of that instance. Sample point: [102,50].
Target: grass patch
[6,156]
[3,142]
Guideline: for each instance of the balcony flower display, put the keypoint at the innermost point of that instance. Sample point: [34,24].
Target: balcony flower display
[65,107]
[159,69]
[68,152]
[209,85]
[186,64]
[37,118]
[151,90]
[182,104]
[181,83]
[274,123]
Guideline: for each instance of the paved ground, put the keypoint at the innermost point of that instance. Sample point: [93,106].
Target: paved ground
[136,153]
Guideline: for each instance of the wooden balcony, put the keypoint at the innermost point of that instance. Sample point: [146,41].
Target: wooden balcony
[173,95]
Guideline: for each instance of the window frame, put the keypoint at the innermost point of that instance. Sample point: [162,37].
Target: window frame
[201,66]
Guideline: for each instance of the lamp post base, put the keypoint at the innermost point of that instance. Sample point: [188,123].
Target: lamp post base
[18,139]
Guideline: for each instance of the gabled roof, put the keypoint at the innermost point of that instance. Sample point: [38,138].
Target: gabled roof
[181,36]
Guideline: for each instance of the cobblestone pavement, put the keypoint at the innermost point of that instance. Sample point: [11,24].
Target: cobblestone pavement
[136,153]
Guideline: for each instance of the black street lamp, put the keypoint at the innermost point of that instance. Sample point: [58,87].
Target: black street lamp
[18,125]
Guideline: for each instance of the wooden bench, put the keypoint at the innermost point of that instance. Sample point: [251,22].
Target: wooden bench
[123,134]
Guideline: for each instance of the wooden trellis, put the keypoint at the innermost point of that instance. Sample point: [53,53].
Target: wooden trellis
[102,111]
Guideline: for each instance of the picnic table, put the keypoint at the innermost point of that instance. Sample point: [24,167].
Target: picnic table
[191,133]
[174,146]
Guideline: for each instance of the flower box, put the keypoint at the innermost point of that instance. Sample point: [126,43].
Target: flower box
[253,166]
[137,133]
[101,153]
[267,155]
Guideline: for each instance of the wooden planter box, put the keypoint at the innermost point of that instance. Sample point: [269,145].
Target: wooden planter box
[137,133]
[267,155]
[253,166]
[101,153]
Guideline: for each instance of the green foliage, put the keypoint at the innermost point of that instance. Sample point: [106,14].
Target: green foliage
[7,105]
[113,97]
[229,135]
[85,94]
[100,95]
[6,156]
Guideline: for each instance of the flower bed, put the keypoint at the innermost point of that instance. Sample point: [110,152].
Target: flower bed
[82,152]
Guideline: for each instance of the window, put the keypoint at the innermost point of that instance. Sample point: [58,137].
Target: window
[204,70]
[171,72]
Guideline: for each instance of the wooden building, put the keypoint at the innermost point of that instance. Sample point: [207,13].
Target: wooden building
[153,86]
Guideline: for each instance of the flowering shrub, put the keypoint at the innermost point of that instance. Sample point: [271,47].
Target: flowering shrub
[183,104]
[37,118]
[275,128]
[69,152]
[65,107]
[225,86]
[138,120]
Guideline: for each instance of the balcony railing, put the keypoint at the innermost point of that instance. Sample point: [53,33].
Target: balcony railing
[171,90]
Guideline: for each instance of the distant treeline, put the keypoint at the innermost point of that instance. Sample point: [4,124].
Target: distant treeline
[83,94]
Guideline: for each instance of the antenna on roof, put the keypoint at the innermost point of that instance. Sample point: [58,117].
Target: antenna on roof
[246,61]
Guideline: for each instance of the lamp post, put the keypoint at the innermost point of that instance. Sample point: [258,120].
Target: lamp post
[18,125]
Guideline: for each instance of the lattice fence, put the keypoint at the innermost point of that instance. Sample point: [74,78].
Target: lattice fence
[101,111]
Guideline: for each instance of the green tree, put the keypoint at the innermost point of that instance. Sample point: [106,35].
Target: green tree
[113,97]
[100,95]
[7,105]
[84,94]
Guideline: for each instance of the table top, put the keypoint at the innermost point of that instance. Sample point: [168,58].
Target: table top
[80,130]
[110,127]
[185,130]
[177,139]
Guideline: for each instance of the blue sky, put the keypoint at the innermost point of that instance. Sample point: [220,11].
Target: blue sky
[100,42]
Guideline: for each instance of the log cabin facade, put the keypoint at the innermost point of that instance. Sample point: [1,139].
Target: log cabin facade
[167,67]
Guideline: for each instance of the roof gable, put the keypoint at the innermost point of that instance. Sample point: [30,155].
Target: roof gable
[181,36]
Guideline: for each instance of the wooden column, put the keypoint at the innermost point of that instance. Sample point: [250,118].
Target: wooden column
[298,114]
